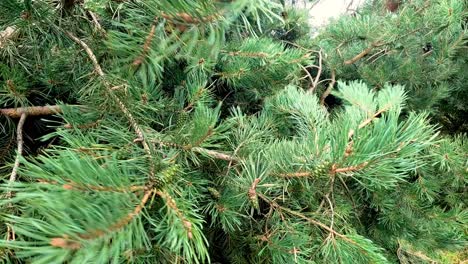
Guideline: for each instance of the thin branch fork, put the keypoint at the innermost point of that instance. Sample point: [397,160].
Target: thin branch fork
[307,74]
[319,72]
[31,111]
[308,219]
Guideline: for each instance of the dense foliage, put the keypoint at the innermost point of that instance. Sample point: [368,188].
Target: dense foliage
[197,131]
[421,45]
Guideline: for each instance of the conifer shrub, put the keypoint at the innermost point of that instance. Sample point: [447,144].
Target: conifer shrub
[192,132]
[421,45]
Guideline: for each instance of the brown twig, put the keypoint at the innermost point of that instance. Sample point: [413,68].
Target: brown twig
[123,108]
[138,61]
[170,202]
[66,243]
[308,219]
[364,52]
[96,22]
[329,88]
[319,72]
[31,111]
[307,74]
[370,119]
[366,122]
[211,153]
[20,142]
[215,154]
[248,54]
[14,172]
[253,187]
[73,186]
[82,126]
[298,174]
[349,169]
[332,212]
[187,18]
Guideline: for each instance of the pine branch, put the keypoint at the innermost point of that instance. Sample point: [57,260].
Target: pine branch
[31,111]
[98,188]
[308,219]
[20,142]
[329,88]
[202,139]
[362,125]
[370,119]
[170,202]
[82,126]
[63,241]
[253,193]
[307,74]
[296,174]
[212,153]
[96,22]
[249,54]
[138,61]
[364,52]
[14,172]
[332,171]
[67,243]
[123,108]
[348,169]
[215,154]
[319,72]
[187,18]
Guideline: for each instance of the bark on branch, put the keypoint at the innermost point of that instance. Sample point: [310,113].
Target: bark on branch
[19,139]
[31,111]
[364,52]
[329,88]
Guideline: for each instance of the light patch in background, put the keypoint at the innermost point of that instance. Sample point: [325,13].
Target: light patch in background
[322,11]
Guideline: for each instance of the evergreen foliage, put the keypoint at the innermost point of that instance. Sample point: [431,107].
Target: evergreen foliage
[421,45]
[185,132]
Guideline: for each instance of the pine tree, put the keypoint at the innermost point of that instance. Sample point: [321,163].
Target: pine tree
[190,132]
[419,44]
